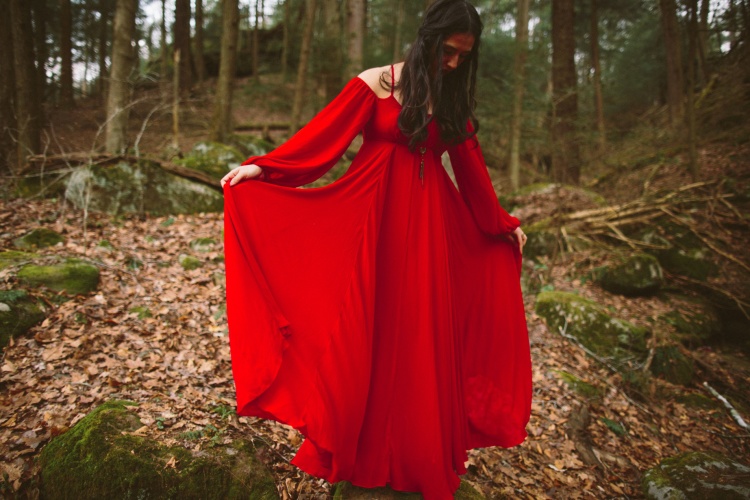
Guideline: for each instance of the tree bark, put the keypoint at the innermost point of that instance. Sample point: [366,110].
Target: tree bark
[285,41]
[565,156]
[163,57]
[692,46]
[66,56]
[39,11]
[671,33]
[7,94]
[519,77]
[118,100]
[256,27]
[355,36]
[222,122]
[182,43]
[26,78]
[299,90]
[200,64]
[597,69]
[331,64]
[104,13]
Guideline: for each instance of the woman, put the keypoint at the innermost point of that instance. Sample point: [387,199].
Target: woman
[381,315]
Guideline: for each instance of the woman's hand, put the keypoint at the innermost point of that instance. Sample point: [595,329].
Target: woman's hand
[520,238]
[239,174]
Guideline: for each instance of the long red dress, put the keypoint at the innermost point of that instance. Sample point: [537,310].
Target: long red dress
[380,315]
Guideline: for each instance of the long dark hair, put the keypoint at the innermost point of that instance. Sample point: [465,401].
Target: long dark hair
[422,80]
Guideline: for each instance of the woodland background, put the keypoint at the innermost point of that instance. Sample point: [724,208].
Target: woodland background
[617,131]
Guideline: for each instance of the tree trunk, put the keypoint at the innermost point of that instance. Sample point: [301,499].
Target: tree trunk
[118,100]
[222,122]
[66,56]
[692,46]
[256,27]
[39,10]
[163,58]
[7,94]
[299,90]
[703,42]
[519,77]
[565,160]
[104,12]
[397,34]
[285,42]
[355,36]
[331,64]
[597,69]
[182,43]
[671,32]
[200,64]
[26,79]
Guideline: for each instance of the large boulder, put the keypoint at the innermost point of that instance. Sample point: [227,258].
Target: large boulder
[680,251]
[38,238]
[73,276]
[18,313]
[13,258]
[696,321]
[213,158]
[139,188]
[635,275]
[347,491]
[592,325]
[671,364]
[704,475]
[102,457]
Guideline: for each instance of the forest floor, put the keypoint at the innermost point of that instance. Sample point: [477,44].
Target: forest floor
[175,362]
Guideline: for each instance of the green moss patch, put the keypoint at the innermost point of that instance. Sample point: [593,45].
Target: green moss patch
[18,313]
[73,277]
[38,238]
[634,275]
[213,158]
[583,388]
[188,262]
[670,363]
[346,491]
[101,458]
[12,257]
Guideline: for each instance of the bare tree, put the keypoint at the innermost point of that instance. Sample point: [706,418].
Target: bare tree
[182,43]
[597,69]
[299,91]
[118,100]
[66,55]
[331,47]
[222,121]
[200,64]
[28,114]
[672,43]
[285,42]
[519,77]
[105,7]
[355,36]
[7,93]
[565,161]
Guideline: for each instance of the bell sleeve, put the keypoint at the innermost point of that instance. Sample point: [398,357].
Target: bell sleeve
[315,148]
[475,187]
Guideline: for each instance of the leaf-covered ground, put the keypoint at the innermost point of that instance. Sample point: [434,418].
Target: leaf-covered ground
[156,334]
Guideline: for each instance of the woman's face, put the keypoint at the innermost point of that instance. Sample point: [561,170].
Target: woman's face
[456,48]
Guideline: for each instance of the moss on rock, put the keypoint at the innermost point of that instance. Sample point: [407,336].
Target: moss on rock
[188,262]
[670,363]
[592,325]
[347,491]
[696,321]
[680,252]
[139,188]
[73,277]
[213,158]
[583,388]
[38,238]
[101,458]
[704,475]
[12,257]
[202,244]
[18,313]
[634,276]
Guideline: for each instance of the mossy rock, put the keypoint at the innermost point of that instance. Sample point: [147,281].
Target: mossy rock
[100,458]
[634,276]
[142,188]
[38,238]
[592,325]
[142,312]
[12,257]
[203,244]
[670,363]
[681,251]
[697,400]
[188,262]
[213,158]
[347,491]
[73,277]
[18,313]
[585,389]
[697,474]
[696,321]
[252,146]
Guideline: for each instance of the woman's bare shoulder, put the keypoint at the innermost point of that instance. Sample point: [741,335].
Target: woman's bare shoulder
[372,77]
